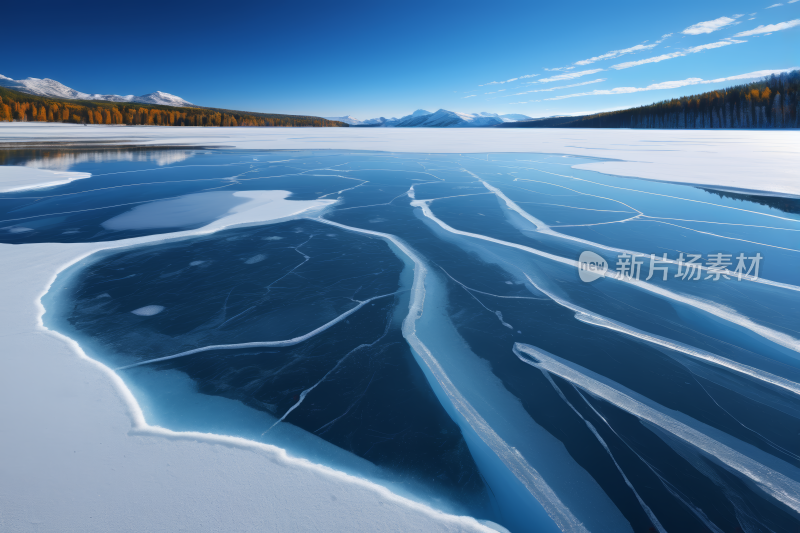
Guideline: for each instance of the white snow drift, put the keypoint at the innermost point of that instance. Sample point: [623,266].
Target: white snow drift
[22,178]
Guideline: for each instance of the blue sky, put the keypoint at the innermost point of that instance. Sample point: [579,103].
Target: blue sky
[389,58]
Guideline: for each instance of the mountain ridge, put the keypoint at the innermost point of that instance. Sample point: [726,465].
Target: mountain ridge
[55,89]
[442,118]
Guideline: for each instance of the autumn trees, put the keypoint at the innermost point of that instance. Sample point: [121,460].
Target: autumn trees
[768,103]
[21,107]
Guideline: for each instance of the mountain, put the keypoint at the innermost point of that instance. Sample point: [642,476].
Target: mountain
[447,119]
[54,89]
[346,119]
[440,119]
[380,121]
[514,117]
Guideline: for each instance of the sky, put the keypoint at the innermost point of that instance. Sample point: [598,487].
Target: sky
[369,59]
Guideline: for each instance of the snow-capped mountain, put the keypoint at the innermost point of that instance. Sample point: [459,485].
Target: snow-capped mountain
[441,119]
[513,117]
[54,89]
[347,120]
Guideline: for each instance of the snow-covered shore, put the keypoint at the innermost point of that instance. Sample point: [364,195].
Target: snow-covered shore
[746,160]
[76,453]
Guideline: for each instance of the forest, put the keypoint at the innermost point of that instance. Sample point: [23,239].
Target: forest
[769,103]
[22,107]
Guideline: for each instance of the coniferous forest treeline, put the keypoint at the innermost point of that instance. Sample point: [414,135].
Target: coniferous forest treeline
[22,107]
[771,103]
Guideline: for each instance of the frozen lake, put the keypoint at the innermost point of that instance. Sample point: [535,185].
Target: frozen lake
[497,335]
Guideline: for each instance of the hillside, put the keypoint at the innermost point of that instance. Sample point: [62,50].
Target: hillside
[54,89]
[19,106]
[765,104]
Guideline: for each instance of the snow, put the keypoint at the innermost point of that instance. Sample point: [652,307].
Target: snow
[148,310]
[255,259]
[22,178]
[85,459]
[54,89]
[731,159]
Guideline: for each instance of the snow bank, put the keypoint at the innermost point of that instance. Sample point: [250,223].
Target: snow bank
[21,178]
[84,457]
[730,159]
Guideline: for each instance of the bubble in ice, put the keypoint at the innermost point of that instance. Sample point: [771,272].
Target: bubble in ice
[148,310]
[195,263]
[271,238]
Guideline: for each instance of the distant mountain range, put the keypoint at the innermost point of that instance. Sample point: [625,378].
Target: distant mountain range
[54,89]
[440,119]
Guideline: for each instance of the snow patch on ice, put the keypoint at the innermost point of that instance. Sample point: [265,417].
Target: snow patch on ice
[14,178]
[176,212]
[148,310]
[255,259]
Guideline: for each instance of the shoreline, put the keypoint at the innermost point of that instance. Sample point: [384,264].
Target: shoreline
[756,160]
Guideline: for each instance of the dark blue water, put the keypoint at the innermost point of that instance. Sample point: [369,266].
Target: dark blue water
[498,235]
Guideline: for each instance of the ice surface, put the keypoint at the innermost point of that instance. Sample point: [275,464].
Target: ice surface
[179,212]
[782,484]
[671,405]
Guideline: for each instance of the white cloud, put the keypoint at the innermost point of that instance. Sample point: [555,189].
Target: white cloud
[769,28]
[792,1]
[664,57]
[656,59]
[470,96]
[494,92]
[569,76]
[710,25]
[617,53]
[775,5]
[559,69]
[509,81]
[549,89]
[711,46]
[673,84]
